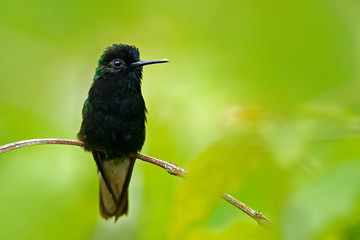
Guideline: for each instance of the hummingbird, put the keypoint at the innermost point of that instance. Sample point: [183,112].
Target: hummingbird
[113,125]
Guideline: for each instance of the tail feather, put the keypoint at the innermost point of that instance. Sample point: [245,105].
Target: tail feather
[114,177]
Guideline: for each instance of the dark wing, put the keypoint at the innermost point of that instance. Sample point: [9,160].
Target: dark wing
[86,108]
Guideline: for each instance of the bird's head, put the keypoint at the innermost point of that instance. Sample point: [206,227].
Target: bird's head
[122,59]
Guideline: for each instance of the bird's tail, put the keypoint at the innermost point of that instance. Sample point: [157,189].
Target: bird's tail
[114,176]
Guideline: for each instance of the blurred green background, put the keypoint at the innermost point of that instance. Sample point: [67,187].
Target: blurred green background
[260,100]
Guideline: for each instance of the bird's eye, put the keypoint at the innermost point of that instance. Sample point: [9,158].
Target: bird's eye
[117,63]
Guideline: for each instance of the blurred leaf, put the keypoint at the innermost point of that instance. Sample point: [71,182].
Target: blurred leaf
[238,163]
[326,201]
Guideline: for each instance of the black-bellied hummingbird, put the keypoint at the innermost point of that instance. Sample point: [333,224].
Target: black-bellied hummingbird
[113,126]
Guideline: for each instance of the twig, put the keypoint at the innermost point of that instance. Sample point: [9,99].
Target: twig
[170,167]
[256,215]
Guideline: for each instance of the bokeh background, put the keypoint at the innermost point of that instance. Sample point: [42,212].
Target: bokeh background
[260,100]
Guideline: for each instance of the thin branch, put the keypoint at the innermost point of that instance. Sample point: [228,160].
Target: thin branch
[256,215]
[170,167]
[31,142]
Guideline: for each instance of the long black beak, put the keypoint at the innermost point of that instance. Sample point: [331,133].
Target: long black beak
[143,63]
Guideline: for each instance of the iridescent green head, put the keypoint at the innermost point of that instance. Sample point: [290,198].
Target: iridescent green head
[121,58]
[115,56]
